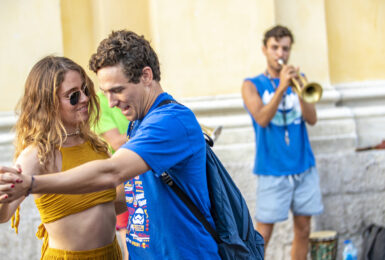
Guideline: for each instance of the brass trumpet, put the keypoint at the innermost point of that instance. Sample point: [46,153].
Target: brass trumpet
[310,92]
[213,133]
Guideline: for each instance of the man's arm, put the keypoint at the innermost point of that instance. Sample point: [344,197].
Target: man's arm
[308,112]
[89,177]
[261,113]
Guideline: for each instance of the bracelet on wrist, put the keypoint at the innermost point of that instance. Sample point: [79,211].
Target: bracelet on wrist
[30,187]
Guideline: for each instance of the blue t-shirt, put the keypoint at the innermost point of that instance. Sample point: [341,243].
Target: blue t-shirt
[273,155]
[160,226]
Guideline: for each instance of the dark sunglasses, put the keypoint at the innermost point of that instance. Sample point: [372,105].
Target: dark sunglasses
[75,96]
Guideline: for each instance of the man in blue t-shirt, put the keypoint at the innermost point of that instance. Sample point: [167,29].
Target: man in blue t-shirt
[284,161]
[162,137]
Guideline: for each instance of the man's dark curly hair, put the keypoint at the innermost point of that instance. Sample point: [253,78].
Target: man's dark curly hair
[129,49]
[278,32]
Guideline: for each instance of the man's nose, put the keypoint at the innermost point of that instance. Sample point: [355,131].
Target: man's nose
[112,101]
[279,52]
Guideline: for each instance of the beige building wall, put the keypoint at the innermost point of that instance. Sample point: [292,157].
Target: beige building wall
[78,31]
[356,36]
[85,23]
[121,14]
[29,30]
[207,47]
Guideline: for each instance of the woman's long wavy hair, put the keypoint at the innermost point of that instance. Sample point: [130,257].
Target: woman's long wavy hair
[39,123]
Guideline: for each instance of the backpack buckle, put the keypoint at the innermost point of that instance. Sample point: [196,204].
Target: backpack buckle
[167,179]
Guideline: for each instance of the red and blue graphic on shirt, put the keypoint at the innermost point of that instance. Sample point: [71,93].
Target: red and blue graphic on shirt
[138,221]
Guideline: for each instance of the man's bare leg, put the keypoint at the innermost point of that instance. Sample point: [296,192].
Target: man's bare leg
[265,229]
[300,244]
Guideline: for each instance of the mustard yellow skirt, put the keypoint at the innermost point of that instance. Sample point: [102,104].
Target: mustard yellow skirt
[109,252]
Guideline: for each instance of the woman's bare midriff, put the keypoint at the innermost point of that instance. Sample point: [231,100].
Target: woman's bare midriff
[86,230]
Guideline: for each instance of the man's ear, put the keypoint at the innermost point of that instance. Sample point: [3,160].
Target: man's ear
[264,49]
[147,75]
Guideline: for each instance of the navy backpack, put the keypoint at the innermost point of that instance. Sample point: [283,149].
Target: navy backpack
[234,233]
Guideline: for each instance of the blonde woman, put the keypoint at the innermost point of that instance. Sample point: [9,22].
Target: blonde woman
[53,134]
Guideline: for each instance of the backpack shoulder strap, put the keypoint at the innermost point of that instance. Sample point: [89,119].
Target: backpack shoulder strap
[166,178]
[167,101]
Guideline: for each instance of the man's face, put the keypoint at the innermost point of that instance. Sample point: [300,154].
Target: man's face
[129,97]
[275,50]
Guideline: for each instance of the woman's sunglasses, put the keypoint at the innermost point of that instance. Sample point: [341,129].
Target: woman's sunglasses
[75,96]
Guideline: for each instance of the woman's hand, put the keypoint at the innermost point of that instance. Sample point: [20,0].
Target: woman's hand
[13,185]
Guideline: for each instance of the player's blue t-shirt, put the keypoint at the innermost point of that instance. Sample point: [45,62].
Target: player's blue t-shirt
[160,226]
[273,155]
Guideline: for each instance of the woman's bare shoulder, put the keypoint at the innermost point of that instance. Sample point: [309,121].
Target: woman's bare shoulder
[30,164]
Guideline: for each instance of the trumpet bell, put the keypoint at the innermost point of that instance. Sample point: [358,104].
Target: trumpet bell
[311,92]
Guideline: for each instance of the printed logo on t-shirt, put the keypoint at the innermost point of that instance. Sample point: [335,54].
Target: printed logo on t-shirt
[138,221]
[292,109]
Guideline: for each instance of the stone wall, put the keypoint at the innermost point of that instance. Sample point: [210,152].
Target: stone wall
[353,188]
[23,245]
[7,121]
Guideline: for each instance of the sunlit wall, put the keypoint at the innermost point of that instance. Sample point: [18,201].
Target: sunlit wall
[205,48]
[356,37]
[29,30]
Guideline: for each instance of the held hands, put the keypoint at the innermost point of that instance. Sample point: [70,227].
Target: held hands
[287,73]
[13,184]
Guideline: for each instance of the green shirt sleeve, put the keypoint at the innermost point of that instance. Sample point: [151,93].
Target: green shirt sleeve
[110,118]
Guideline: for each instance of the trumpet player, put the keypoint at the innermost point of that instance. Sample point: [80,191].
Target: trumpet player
[284,161]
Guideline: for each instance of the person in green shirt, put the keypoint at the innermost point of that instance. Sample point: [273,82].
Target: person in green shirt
[112,125]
